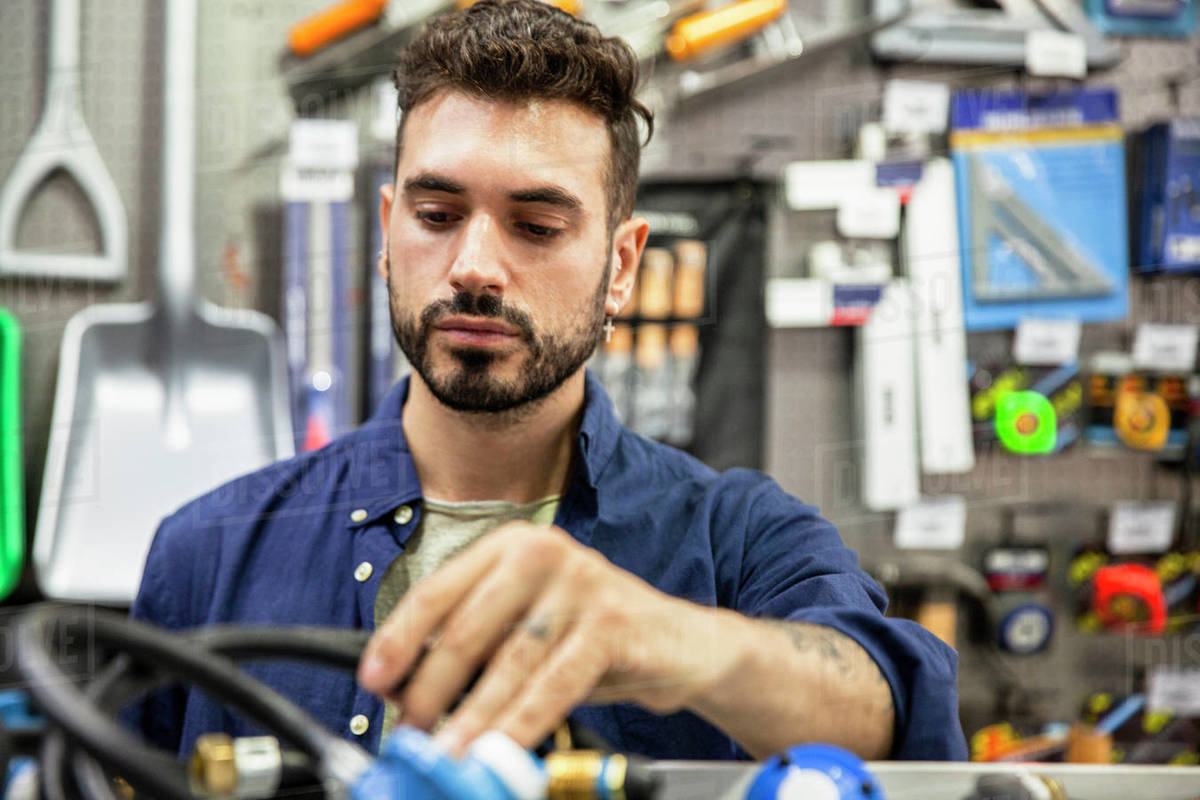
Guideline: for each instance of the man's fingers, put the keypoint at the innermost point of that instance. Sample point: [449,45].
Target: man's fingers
[555,689]
[522,653]
[396,644]
[470,634]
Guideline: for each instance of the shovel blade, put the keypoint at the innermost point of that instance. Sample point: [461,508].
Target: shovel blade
[138,431]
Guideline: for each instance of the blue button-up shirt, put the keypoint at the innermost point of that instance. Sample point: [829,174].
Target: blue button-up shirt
[284,546]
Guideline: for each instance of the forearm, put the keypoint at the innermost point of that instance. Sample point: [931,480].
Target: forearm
[792,682]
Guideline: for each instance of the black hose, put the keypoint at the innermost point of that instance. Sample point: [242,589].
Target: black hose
[332,647]
[79,756]
[144,767]
[54,780]
[118,685]
[87,773]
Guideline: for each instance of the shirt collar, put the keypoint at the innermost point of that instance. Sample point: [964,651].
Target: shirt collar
[599,431]
[381,441]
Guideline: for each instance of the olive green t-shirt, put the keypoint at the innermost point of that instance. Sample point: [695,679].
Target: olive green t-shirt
[444,530]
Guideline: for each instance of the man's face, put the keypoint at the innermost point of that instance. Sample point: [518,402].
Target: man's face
[498,250]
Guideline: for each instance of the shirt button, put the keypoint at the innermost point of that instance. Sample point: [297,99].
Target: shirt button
[359,724]
[403,515]
[363,571]
[358,515]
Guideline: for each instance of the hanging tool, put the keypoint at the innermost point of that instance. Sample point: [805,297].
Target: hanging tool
[1026,422]
[326,367]
[951,33]
[156,401]
[706,31]
[12,470]
[61,141]
[1058,265]
[1016,569]
[885,398]
[1129,598]
[931,256]
[382,350]
[933,586]
[643,25]
[317,30]
[789,47]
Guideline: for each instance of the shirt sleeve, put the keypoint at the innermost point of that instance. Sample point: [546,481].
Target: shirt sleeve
[794,566]
[159,716]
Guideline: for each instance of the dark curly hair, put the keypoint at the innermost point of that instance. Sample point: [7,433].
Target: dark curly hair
[520,50]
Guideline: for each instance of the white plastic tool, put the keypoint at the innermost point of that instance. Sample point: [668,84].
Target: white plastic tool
[885,396]
[932,254]
[61,141]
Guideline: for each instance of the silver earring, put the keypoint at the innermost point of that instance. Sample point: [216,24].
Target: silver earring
[608,329]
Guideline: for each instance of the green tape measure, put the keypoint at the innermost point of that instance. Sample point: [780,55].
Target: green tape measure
[1026,422]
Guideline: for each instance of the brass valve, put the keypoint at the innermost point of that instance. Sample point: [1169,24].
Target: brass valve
[213,767]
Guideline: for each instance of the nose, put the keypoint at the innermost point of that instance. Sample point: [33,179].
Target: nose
[479,264]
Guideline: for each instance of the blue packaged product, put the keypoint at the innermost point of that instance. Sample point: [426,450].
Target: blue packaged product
[1169,209]
[1041,200]
[1143,17]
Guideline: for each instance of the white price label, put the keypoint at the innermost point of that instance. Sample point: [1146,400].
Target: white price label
[825,185]
[315,185]
[330,144]
[1055,54]
[1168,348]
[915,106]
[1047,341]
[1173,689]
[933,523]
[870,214]
[1136,526]
[799,302]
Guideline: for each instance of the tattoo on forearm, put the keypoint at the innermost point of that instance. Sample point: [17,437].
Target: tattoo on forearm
[808,638]
[839,650]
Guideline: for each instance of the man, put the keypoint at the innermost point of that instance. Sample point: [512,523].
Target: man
[677,612]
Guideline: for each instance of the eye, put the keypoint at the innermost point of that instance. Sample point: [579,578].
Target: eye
[540,231]
[435,218]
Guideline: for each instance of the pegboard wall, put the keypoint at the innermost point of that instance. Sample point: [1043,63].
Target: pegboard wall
[810,110]
[811,444]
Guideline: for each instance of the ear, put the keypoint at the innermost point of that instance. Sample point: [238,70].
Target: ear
[629,241]
[387,193]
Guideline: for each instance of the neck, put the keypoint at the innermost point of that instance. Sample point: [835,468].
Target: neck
[519,456]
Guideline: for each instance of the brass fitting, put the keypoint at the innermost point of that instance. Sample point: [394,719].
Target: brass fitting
[573,774]
[213,768]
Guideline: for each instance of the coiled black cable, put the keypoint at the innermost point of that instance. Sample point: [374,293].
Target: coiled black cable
[148,769]
[119,685]
[85,745]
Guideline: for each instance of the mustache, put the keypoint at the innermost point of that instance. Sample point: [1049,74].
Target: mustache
[477,305]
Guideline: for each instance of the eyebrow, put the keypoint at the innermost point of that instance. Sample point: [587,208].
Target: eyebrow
[550,195]
[432,183]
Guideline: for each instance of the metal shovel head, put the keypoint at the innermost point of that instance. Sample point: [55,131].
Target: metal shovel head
[137,431]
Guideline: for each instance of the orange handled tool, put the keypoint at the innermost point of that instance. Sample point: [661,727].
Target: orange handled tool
[312,33]
[707,30]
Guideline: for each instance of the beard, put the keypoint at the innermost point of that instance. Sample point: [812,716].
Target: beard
[470,384]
